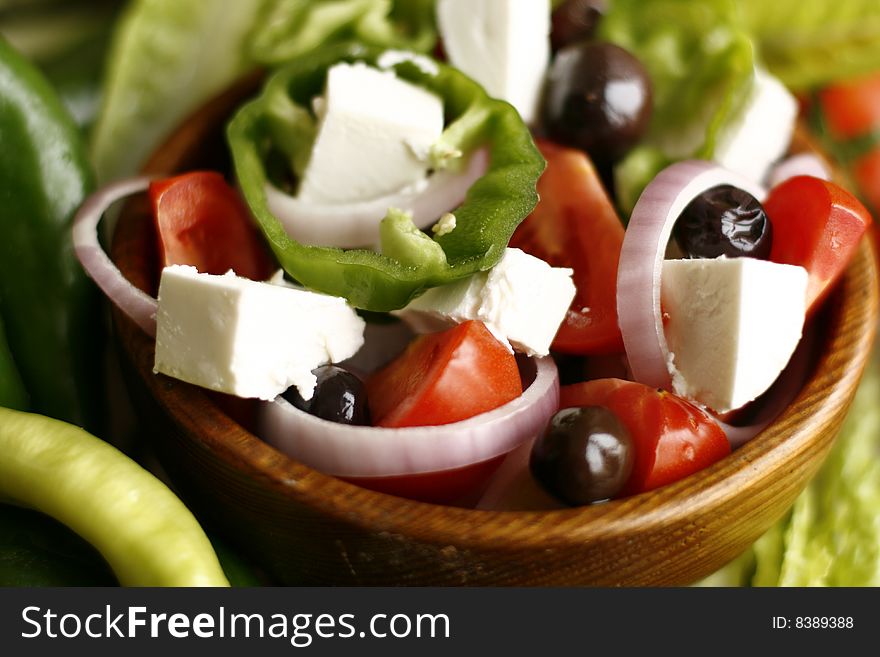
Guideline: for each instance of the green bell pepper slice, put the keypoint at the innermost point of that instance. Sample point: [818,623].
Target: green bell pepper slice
[49,308]
[493,208]
[144,532]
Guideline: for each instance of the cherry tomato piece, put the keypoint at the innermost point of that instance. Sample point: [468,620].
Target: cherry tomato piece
[457,487]
[817,225]
[201,221]
[575,225]
[671,437]
[866,170]
[444,377]
[852,109]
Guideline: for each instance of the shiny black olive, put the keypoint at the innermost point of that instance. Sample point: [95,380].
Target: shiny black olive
[584,456]
[339,396]
[598,98]
[724,220]
[574,21]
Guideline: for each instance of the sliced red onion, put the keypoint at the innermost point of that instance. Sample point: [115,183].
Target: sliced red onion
[803,164]
[135,303]
[353,225]
[513,488]
[347,451]
[641,261]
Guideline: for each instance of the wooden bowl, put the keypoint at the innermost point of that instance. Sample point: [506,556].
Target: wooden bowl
[306,527]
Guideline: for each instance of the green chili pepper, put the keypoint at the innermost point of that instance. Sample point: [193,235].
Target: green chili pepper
[493,208]
[144,532]
[47,304]
[12,391]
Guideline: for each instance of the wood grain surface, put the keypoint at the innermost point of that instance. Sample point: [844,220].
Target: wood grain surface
[305,527]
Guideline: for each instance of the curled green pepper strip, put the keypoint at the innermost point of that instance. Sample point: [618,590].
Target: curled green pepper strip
[49,307]
[493,207]
[145,533]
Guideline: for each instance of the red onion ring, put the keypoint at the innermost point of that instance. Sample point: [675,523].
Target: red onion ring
[513,488]
[353,225]
[803,164]
[135,303]
[347,451]
[641,261]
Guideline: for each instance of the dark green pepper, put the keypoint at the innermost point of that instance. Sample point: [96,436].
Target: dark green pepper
[47,304]
[36,550]
[13,394]
[494,206]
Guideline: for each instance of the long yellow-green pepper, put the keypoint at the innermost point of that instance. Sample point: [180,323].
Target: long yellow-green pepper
[145,533]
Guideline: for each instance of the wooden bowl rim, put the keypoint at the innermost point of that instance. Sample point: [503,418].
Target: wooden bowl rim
[847,343]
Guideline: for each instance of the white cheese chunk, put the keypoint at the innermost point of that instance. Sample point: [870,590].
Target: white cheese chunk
[731,324]
[375,133]
[760,134]
[248,338]
[522,301]
[502,44]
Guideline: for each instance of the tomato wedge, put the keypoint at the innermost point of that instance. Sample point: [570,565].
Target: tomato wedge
[201,221]
[851,114]
[575,225]
[852,109]
[672,437]
[444,377]
[817,225]
[866,170]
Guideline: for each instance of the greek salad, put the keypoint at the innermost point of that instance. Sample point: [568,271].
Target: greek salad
[559,247]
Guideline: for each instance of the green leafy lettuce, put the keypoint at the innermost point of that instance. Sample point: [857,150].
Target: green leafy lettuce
[292,28]
[167,58]
[831,537]
[170,56]
[809,43]
[701,63]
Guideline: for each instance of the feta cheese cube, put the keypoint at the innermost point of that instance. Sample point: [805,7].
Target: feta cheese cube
[502,44]
[760,134]
[248,338]
[732,326]
[375,133]
[522,301]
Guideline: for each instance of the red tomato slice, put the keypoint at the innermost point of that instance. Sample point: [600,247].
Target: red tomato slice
[818,225]
[672,437]
[575,225]
[444,377]
[852,109]
[201,221]
[458,487]
[866,170]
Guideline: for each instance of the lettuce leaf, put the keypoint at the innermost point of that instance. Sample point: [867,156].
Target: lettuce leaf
[834,535]
[170,56]
[831,537]
[167,58]
[701,64]
[809,43]
[291,28]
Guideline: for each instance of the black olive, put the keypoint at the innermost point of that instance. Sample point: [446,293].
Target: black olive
[598,98]
[724,220]
[339,396]
[574,21]
[584,456]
